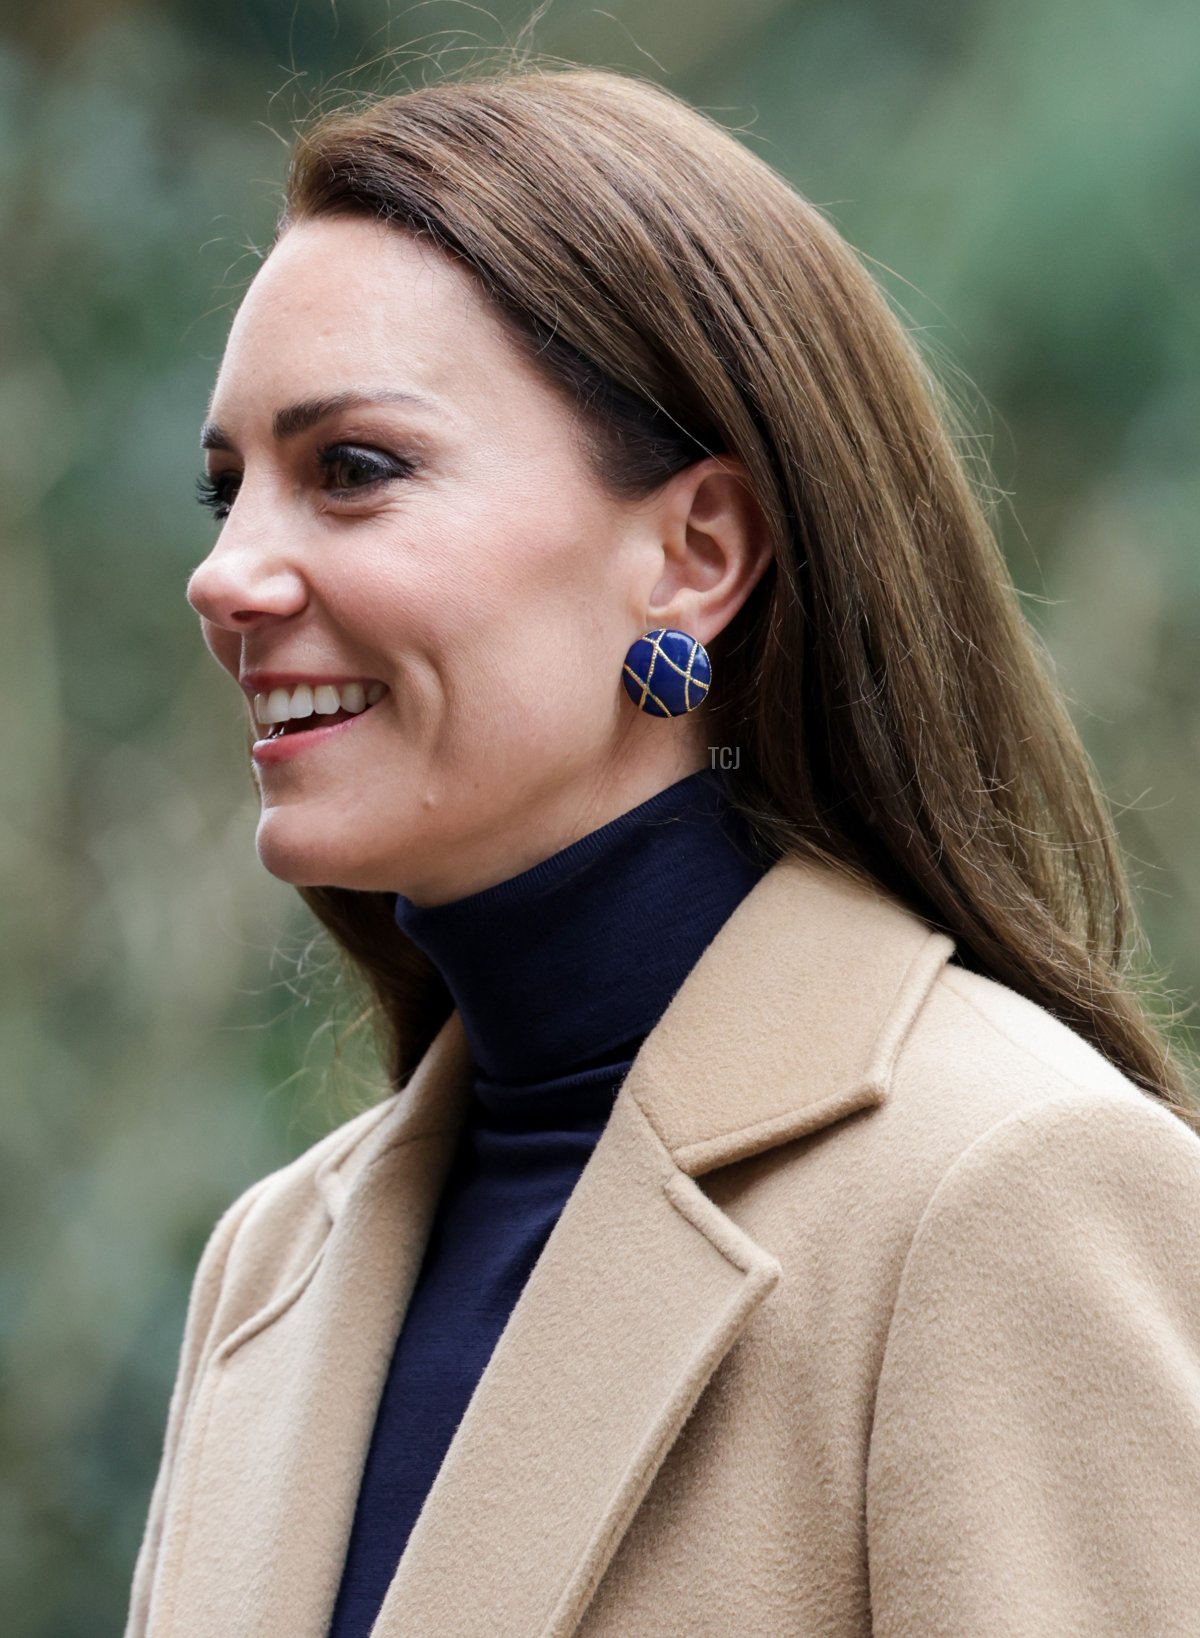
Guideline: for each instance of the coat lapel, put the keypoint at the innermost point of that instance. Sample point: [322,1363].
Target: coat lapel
[640,1290]
[288,1401]
[790,1020]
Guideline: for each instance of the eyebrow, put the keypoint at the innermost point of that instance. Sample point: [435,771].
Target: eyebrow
[294,419]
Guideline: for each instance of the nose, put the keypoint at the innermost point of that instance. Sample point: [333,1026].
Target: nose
[241,583]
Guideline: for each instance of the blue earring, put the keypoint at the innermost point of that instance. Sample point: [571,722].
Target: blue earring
[666,672]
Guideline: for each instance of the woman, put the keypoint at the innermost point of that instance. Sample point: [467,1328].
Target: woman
[784,1219]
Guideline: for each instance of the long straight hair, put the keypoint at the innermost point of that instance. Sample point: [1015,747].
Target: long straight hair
[893,707]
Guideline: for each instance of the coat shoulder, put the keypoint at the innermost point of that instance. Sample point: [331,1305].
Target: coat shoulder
[1042,1329]
[980,1056]
[1024,1033]
[978,1051]
[974,1056]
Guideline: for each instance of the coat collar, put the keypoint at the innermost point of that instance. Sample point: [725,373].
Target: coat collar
[790,1020]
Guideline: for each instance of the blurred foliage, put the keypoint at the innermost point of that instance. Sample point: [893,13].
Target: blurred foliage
[1026,167]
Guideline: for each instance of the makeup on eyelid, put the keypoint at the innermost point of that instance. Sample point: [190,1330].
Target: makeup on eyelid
[379,466]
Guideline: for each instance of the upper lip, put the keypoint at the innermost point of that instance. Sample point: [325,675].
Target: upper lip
[262,682]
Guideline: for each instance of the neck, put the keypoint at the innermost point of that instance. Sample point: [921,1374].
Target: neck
[557,968]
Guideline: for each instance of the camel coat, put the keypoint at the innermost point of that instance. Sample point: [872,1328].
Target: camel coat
[875,1311]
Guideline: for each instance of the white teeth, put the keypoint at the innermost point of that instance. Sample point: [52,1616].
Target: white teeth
[278,706]
[282,704]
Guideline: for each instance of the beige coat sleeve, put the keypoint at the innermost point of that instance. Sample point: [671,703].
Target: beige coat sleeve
[198,1343]
[1034,1465]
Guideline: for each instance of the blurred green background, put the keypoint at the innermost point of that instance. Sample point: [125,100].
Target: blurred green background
[1020,174]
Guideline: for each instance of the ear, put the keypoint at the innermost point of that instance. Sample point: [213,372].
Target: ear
[716,544]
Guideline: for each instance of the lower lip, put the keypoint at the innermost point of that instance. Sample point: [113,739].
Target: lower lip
[286,746]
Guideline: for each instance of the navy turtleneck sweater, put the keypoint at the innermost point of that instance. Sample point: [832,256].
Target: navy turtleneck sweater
[558,973]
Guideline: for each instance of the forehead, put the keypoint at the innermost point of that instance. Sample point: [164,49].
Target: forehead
[351,300]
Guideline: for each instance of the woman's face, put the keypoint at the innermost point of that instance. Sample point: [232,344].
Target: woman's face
[449,551]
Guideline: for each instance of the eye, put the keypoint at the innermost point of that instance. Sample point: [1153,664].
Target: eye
[363,469]
[371,466]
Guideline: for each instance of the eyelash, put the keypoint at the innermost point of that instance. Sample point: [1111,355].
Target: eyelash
[211,492]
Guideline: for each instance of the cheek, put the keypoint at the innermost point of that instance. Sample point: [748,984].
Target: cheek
[508,633]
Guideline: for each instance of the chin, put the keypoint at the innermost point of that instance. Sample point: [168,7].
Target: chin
[305,860]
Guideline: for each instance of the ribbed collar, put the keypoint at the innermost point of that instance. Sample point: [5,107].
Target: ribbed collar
[555,967]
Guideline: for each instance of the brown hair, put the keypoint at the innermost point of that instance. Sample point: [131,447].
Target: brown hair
[893,706]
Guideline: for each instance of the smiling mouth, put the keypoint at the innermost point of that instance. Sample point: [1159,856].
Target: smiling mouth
[356,701]
[306,725]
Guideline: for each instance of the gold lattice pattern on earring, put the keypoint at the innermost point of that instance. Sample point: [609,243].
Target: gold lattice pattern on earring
[659,653]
